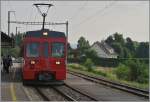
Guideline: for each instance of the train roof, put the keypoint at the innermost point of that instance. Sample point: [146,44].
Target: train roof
[44,33]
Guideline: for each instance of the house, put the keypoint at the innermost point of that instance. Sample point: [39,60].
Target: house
[104,50]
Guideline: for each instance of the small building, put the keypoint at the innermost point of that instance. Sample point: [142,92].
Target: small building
[104,50]
[6,41]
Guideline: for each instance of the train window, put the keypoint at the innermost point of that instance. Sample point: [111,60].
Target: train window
[45,49]
[58,49]
[32,49]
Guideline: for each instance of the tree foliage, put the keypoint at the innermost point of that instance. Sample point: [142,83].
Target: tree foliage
[143,50]
[14,52]
[82,46]
[126,48]
[118,38]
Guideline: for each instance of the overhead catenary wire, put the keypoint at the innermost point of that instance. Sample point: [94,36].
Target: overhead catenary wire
[93,16]
[37,23]
[96,13]
[79,10]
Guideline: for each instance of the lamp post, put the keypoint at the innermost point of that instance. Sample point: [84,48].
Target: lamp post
[9,21]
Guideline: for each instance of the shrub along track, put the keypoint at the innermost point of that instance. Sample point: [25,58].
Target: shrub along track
[120,86]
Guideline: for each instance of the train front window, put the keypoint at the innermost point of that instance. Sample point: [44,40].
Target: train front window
[32,49]
[58,50]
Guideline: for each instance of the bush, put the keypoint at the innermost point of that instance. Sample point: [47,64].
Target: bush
[76,66]
[122,72]
[133,70]
[99,73]
[143,77]
[89,64]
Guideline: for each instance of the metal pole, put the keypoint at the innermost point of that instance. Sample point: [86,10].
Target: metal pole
[44,15]
[9,21]
[67,30]
[16,30]
[66,41]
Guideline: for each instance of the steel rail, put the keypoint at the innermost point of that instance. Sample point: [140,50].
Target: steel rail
[69,98]
[42,94]
[119,86]
[79,91]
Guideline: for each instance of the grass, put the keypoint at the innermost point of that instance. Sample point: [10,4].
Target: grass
[107,73]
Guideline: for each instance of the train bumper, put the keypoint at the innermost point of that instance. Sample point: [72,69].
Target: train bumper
[44,75]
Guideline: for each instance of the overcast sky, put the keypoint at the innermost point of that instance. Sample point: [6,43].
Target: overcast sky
[95,20]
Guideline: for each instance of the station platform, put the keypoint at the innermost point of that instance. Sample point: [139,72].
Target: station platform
[11,85]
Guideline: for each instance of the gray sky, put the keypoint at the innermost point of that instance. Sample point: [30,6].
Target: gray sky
[95,20]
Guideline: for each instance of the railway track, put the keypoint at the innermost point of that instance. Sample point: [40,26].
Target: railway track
[68,97]
[133,90]
[66,89]
[42,94]
[68,92]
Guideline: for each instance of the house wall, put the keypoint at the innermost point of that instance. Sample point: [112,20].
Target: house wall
[99,51]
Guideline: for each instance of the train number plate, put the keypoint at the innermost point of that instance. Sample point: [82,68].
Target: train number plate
[45,77]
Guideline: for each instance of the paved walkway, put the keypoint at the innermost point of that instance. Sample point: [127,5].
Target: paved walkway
[11,85]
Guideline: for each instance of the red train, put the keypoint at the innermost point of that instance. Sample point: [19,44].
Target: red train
[44,56]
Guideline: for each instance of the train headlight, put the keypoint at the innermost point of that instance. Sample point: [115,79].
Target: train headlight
[45,33]
[57,62]
[32,62]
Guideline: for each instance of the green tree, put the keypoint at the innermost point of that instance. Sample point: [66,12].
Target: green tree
[143,50]
[117,42]
[109,40]
[130,44]
[118,38]
[15,52]
[83,43]
[18,38]
[118,48]
[82,46]
[127,53]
